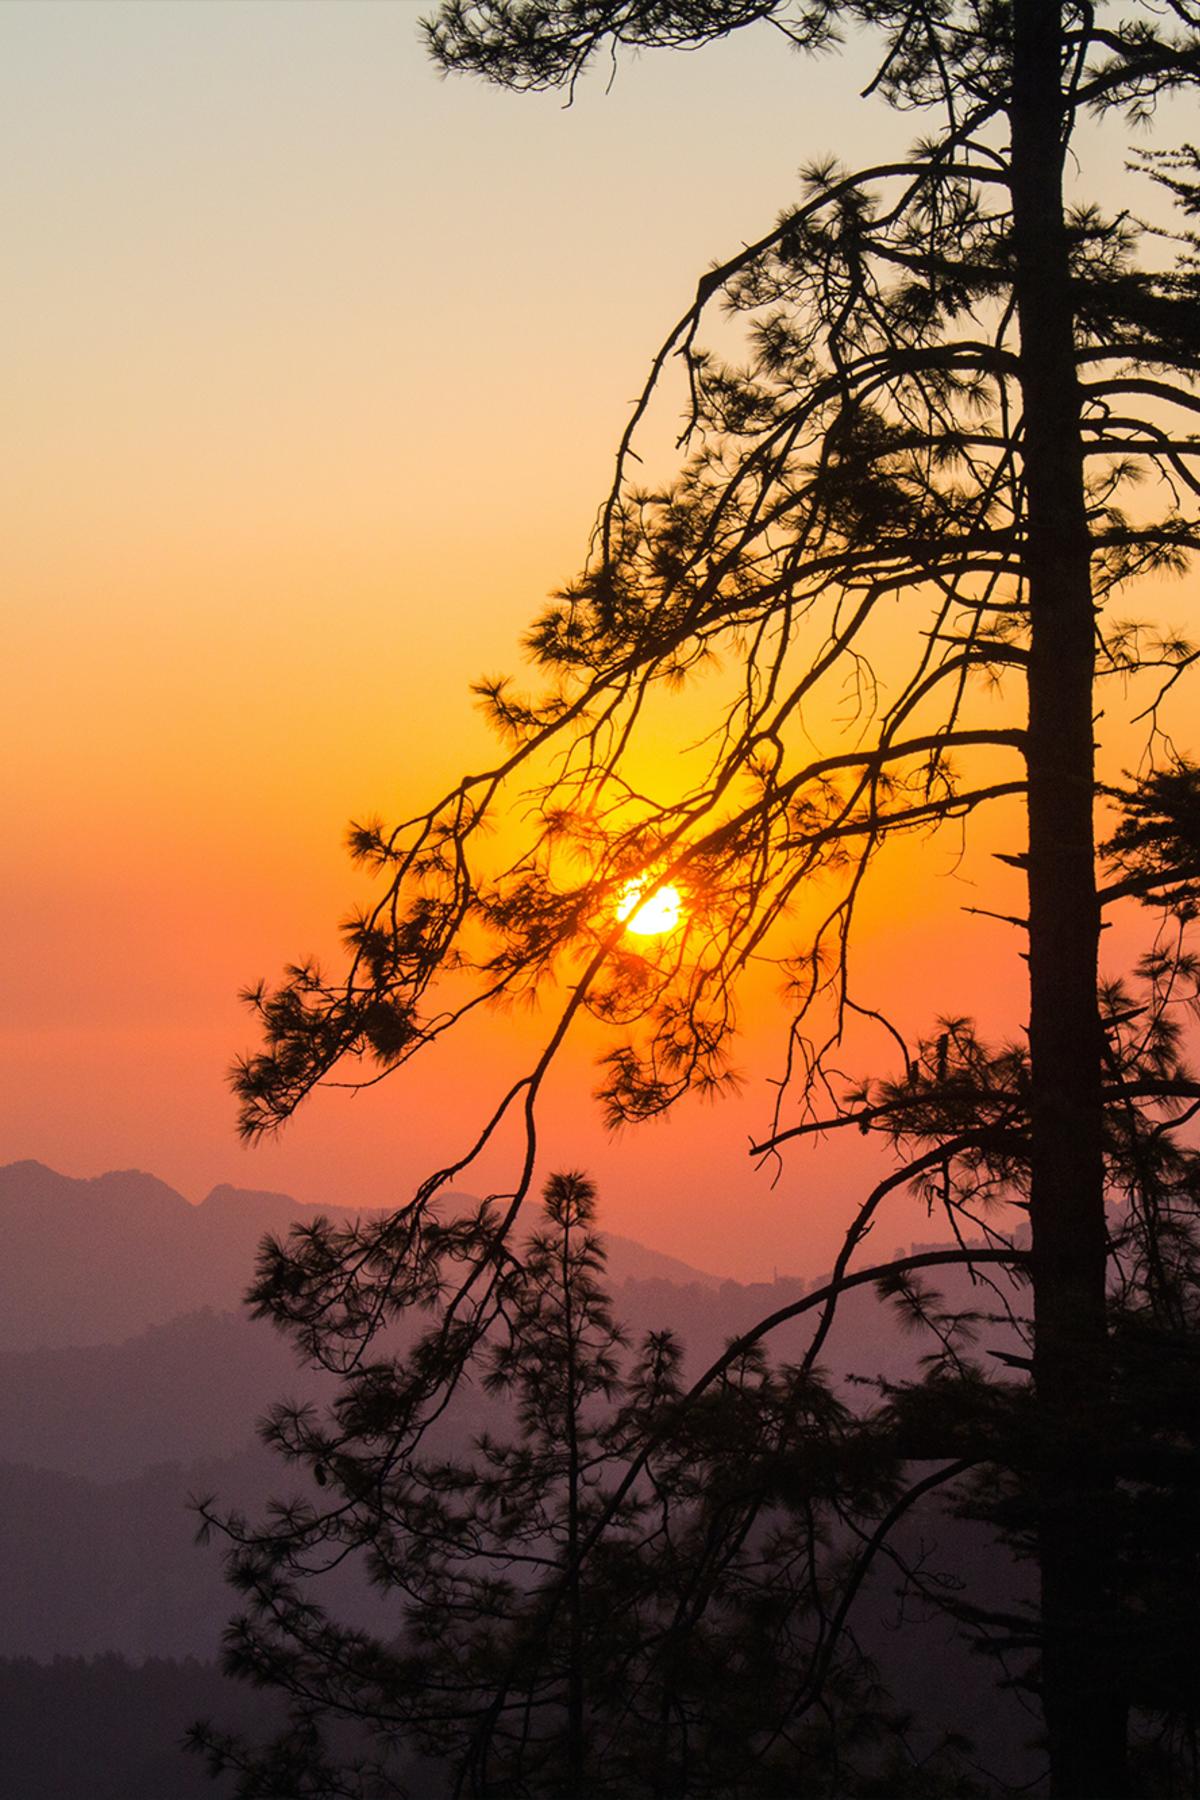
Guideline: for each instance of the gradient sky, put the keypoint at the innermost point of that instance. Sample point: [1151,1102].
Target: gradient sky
[315,364]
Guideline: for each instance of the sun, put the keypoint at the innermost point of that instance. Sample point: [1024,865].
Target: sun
[649,914]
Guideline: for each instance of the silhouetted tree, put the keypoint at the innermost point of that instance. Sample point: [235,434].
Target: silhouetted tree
[617,1589]
[953,383]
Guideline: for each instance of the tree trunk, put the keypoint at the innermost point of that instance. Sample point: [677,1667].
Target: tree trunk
[1081,1676]
[574,1608]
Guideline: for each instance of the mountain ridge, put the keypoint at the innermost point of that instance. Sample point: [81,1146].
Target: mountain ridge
[96,1259]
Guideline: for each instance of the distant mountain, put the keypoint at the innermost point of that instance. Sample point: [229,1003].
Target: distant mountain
[191,1388]
[128,1381]
[631,1261]
[89,1567]
[117,1727]
[121,1349]
[196,1386]
[92,1262]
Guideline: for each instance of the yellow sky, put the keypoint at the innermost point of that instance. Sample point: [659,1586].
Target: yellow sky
[314,364]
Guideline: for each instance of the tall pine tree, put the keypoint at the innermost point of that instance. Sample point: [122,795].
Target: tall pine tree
[954,381]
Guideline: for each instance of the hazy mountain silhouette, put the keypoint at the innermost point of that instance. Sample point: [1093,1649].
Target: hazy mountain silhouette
[129,1382]
[121,1349]
[129,1390]
[194,1388]
[105,1729]
[91,1262]
[89,1567]
[177,1392]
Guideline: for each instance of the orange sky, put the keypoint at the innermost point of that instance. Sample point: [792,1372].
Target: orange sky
[315,367]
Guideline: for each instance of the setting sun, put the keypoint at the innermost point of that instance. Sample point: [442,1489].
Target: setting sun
[658,912]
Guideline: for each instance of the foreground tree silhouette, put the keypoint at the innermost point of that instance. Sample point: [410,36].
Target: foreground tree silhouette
[697,1649]
[953,383]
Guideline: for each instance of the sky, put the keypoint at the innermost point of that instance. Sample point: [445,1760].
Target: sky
[314,367]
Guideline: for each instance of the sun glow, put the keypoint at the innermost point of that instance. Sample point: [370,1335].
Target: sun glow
[649,914]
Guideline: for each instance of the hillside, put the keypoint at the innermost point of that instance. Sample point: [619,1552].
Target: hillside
[95,1261]
[130,1383]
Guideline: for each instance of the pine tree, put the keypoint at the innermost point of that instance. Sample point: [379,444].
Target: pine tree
[617,1589]
[953,382]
